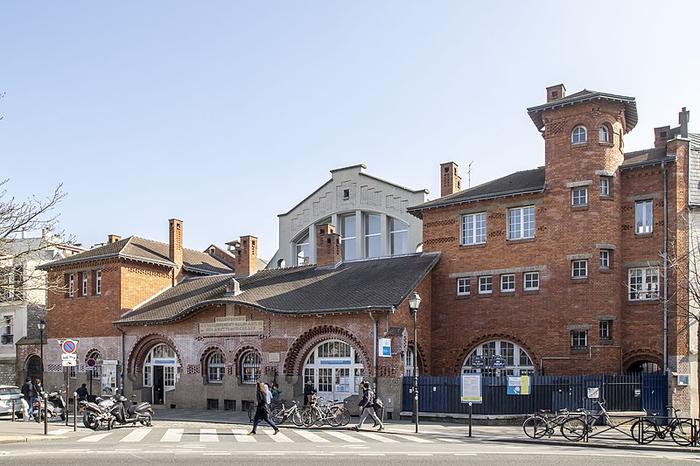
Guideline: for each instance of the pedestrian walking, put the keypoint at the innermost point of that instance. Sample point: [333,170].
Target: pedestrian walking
[309,391]
[367,405]
[28,399]
[262,413]
[82,392]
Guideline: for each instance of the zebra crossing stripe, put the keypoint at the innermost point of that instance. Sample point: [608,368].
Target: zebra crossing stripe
[242,436]
[136,435]
[94,438]
[208,435]
[59,431]
[279,438]
[345,437]
[172,435]
[310,436]
[378,437]
[413,439]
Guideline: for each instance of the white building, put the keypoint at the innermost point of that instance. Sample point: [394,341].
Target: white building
[368,212]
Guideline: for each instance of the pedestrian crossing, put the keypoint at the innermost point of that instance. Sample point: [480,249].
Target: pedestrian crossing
[287,436]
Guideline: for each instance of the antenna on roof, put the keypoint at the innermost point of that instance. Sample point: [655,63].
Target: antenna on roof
[469,174]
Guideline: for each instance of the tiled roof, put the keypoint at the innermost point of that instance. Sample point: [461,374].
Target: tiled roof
[351,286]
[645,157]
[145,250]
[583,96]
[527,181]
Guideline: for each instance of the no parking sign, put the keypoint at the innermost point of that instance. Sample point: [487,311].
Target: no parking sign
[69,346]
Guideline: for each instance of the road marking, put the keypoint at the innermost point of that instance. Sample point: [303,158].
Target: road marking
[345,437]
[419,454]
[59,431]
[136,435]
[372,454]
[217,453]
[208,435]
[413,438]
[464,454]
[94,438]
[172,435]
[242,436]
[451,440]
[311,436]
[378,437]
[279,437]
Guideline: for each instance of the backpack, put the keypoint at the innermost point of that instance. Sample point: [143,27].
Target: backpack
[378,403]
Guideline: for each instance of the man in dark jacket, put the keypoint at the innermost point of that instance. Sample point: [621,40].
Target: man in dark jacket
[309,390]
[28,394]
[367,405]
[82,392]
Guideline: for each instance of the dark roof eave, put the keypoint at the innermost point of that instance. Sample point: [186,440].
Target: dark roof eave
[60,263]
[647,163]
[420,208]
[631,114]
[189,268]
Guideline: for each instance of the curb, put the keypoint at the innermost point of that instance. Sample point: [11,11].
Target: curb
[19,439]
[637,448]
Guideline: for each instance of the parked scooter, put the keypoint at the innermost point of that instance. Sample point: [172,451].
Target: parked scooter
[98,413]
[126,412]
[55,407]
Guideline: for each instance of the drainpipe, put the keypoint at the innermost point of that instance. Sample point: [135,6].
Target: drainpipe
[374,353]
[123,364]
[664,168]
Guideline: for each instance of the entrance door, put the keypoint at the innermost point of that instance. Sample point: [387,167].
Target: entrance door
[158,386]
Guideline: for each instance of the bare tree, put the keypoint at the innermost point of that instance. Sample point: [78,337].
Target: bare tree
[35,216]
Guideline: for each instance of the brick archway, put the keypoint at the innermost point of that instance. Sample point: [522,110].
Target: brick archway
[466,351]
[641,354]
[143,347]
[294,362]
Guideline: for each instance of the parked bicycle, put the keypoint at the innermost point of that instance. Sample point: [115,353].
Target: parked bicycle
[281,414]
[575,428]
[319,413]
[545,422]
[645,431]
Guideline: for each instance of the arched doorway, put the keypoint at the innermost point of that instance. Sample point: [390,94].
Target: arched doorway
[33,367]
[160,372]
[335,369]
[517,361]
[643,366]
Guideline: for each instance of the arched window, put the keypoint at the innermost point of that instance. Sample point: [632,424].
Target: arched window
[302,250]
[161,356]
[579,135]
[645,367]
[604,134]
[482,358]
[335,369]
[410,355]
[93,362]
[250,367]
[215,367]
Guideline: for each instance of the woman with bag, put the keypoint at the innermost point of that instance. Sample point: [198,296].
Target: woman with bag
[262,413]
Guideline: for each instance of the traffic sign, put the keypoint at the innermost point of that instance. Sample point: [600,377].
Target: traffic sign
[477,362]
[90,363]
[69,357]
[498,362]
[70,362]
[69,346]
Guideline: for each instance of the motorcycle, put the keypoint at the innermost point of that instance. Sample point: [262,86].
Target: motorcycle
[97,413]
[55,406]
[126,412]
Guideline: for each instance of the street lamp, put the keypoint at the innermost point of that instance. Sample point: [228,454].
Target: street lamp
[41,326]
[414,304]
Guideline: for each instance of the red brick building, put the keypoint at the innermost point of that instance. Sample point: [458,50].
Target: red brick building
[560,269]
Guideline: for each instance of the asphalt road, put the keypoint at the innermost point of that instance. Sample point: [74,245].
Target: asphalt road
[199,443]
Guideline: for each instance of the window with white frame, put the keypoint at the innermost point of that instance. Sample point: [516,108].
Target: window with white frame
[579,196]
[508,283]
[605,258]
[643,283]
[250,367]
[579,135]
[373,235]
[531,281]
[518,362]
[521,223]
[605,186]
[579,339]
[485,284]
[7,330]
[398,232]
[98,282]
[348,236]
[215,367]
[474,228]
[463,286]
[73,372]
[83,283]
[579,268]
[604,134]
[644,216]
[605,329]
[71,285]
[302,250]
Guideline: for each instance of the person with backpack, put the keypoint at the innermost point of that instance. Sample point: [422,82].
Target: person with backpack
[28,399]
[367,404]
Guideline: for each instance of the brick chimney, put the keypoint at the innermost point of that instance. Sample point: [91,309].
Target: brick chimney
[661,135]
[247,256]
[175,243]
[113,238]
[328,247]
[450,182]
[556,92]
[683,119]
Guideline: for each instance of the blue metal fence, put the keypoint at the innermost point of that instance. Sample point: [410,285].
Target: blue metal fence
[441,394]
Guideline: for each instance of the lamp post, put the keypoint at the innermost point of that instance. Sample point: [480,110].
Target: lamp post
[41,326]
[414,304]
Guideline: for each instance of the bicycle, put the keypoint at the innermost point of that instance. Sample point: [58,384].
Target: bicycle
[575,428]
[644,431]
[281,414]
[319,413]
[543,423]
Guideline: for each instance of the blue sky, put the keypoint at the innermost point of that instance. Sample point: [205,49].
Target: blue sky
[225,114]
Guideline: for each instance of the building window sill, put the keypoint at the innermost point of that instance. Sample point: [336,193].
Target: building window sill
[529,292]
[579,350]
[579,207]
[605,270]
[475,245]
[606,144]
[579,279]
[463,296]
[519,240]
[508,293]
[606,341]
[484,295]
[641,302]
[644,235]
[578,145]
[606,198]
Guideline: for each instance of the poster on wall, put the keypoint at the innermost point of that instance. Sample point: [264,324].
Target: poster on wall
[471,388]
[519,385]
[385,347]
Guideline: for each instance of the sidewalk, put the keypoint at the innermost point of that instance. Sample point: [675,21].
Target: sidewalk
[19,431]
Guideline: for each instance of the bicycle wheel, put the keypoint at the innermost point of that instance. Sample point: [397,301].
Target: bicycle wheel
[573,429]
[643,431]
[345,420]
[682,433]
[296,418]
[335,418]
[535,427]
[278,416]
[309,417]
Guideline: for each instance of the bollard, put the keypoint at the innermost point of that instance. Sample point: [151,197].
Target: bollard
[75,411]
[470,419]
[46,413]
[13,410]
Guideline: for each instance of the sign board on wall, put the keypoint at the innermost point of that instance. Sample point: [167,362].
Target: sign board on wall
[471,388]
[519,385]
[385,347]
[231,325]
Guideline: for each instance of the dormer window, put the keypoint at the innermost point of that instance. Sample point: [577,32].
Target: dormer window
[579,135]
[604,134]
